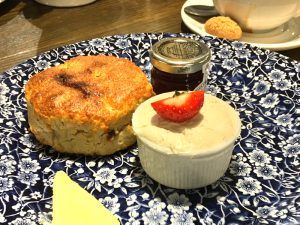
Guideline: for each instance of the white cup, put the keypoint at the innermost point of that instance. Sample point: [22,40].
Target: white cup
[64,3]
[259,15]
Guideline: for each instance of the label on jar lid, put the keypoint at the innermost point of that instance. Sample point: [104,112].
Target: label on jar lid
[179,55]
[180,50]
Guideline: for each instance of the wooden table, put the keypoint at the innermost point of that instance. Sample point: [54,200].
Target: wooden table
[28,28]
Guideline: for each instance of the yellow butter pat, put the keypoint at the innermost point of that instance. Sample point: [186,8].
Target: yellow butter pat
[72,205]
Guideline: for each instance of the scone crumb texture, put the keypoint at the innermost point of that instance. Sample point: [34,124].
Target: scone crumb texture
[84,105]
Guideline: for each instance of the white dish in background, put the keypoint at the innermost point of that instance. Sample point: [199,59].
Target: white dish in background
[284,37]
[63,3]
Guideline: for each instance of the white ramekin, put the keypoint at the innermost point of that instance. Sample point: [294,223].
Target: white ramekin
[185,170]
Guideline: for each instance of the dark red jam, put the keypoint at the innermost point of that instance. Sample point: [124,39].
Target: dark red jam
[165,82]
[179,64]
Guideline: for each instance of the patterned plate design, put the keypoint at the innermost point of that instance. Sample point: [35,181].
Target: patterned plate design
[261,186]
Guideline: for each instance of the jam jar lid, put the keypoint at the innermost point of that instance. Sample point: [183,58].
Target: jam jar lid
[179,55]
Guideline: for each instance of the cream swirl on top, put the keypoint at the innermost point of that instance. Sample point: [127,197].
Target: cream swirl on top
[216,125]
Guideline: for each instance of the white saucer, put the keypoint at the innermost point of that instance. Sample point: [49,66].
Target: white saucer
[285,37]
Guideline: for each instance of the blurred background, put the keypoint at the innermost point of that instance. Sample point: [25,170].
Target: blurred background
[28,28]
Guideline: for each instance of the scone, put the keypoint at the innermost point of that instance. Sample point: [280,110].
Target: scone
[223,27]
[85,105]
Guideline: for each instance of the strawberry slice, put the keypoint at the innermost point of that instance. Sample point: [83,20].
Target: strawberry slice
[180,107]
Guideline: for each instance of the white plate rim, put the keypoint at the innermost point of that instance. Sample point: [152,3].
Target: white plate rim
[198,28]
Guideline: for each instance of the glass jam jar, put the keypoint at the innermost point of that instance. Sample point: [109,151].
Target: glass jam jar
[179,64]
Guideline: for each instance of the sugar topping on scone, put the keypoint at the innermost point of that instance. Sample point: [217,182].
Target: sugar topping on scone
[85,105]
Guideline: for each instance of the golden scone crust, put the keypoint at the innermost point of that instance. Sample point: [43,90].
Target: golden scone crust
[223,27]
[85,105]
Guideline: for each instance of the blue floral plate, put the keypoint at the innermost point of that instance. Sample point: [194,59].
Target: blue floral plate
[261,186]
